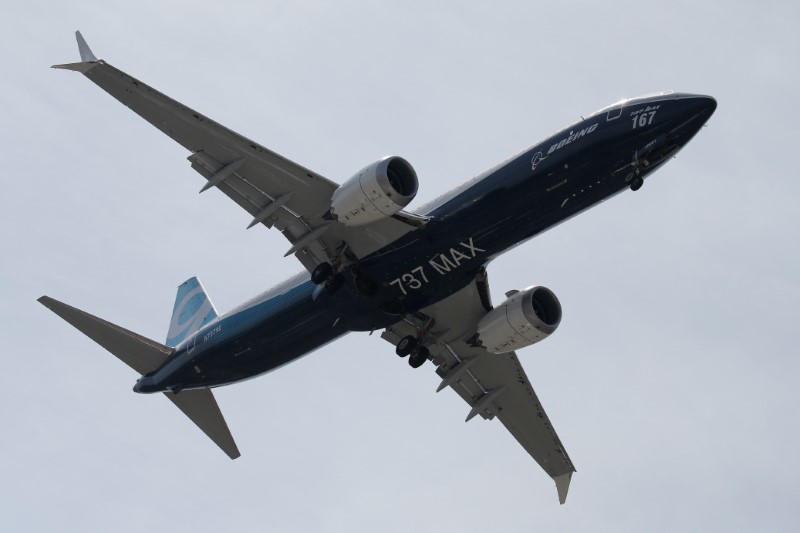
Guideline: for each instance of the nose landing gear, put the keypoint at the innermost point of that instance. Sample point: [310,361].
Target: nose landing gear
[633,170]
[638,165]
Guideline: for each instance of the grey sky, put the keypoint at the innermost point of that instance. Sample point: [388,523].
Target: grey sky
[672,380]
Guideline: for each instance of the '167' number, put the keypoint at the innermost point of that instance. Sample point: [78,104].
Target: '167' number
[645,119]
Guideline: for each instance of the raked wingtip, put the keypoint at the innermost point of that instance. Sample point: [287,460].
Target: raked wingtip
[88,59]
[562,486]
[83,48]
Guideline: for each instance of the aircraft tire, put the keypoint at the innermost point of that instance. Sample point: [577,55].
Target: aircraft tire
[419,357]
[406,346]
[321,273]
[636,183]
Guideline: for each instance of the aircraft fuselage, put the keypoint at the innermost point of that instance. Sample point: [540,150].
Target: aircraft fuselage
[578,167]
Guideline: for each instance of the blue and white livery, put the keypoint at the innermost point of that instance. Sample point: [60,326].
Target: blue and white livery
[371,264]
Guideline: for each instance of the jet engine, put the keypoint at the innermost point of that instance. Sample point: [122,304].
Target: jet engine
[525,318]
[379,190]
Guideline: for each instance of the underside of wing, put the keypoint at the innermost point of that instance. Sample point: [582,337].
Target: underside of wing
[493,385]
[275,191]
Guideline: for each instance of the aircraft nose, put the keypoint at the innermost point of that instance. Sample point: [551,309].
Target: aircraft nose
[700,103]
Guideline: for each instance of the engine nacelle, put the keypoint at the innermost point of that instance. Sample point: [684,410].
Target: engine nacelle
[523,319]
[378,191]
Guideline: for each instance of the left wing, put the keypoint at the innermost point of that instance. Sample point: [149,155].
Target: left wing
[493,385]
[274,190]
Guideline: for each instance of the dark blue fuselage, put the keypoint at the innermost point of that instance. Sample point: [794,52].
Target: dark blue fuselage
[576,168]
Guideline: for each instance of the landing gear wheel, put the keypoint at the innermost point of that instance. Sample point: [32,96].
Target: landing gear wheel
[418,357]
[321,273]
[636,183]
[406,346]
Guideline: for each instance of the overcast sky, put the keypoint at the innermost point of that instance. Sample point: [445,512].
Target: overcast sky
[672,380]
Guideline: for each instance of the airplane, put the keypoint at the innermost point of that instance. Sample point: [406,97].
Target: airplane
[370,264]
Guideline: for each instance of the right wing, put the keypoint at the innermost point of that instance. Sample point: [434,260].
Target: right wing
[494,385]
[274,190]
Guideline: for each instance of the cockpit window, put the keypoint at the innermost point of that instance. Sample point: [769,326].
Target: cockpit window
[626,100]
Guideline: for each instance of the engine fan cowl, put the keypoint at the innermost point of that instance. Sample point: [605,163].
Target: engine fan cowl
[525,318]
[379,190]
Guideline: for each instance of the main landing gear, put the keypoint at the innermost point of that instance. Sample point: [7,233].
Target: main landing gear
[410,346]
[324,273]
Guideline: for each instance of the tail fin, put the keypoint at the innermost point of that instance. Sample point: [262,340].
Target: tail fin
[145,355]
[192,311]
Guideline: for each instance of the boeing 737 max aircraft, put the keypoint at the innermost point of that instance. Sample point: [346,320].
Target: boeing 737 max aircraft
[420,277]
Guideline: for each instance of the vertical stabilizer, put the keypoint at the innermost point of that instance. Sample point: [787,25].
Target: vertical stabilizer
[192,310]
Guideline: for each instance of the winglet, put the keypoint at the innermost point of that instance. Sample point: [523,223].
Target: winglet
[83,48]
[88,59]
[562,486]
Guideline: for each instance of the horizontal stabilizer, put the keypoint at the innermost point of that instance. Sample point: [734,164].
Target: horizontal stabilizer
[139,353]
[201,407]
[144,355]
